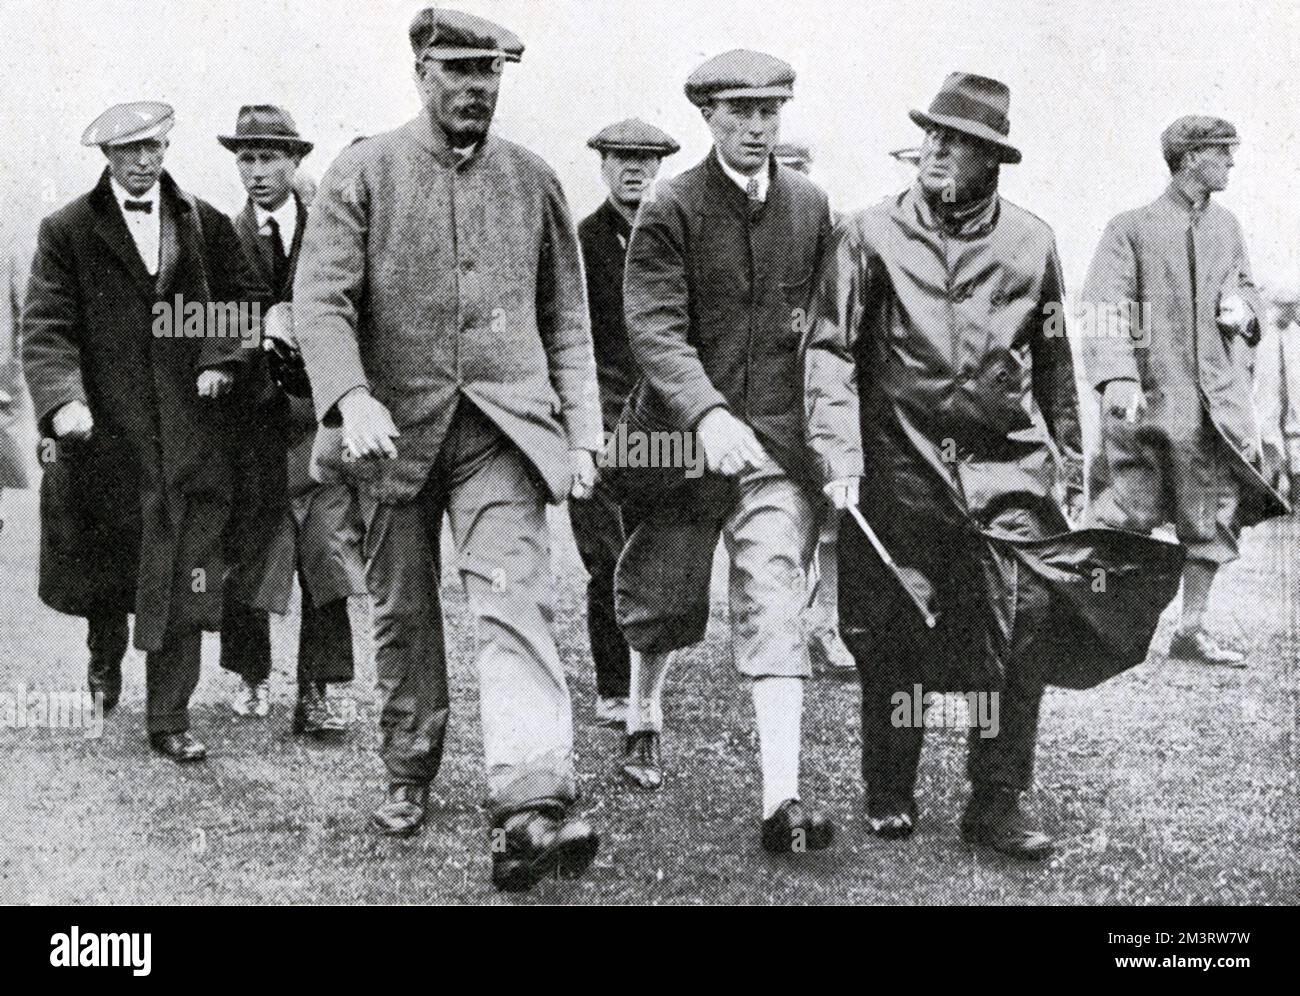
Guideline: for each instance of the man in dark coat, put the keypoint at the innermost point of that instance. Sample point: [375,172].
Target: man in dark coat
[1176,318]
[718,271]
[313,530]
[931,376]
[631,152]
[128,367]
[440,309]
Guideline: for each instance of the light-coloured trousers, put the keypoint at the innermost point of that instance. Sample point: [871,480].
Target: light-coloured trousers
[496,509]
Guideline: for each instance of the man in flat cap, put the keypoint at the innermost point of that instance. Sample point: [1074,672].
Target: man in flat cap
[718,271]
[284,523]
[631,152]
[939,406]
[1178,429]
[137,490]
[440,310]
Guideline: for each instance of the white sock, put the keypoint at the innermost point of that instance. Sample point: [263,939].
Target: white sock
[778,708]
[646,691]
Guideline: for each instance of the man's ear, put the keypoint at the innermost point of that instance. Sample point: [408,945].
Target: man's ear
[706,111]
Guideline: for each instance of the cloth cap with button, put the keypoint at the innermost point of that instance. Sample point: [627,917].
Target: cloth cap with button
[740,73]
[134,122]
[976,106]
[442,34]
[1195,131]
[797,155]
[633,135]
[265,124]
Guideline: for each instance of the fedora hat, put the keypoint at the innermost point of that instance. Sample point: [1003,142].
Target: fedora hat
[265,124]
[973,105]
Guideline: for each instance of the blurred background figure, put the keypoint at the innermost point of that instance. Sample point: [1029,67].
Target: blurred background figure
[13,472]
[1277,388]
[829,655]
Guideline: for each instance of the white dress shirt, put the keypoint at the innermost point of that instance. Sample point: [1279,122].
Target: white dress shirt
[286,216]
[145,227]
[763,176]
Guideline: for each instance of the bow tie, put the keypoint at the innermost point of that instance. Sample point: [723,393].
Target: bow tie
[145,206]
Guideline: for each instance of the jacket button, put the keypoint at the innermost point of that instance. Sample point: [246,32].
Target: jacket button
[467,266]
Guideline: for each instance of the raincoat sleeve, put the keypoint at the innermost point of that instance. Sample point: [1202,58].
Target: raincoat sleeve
[833,324]
[1110,288]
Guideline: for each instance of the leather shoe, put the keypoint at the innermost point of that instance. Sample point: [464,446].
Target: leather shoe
[534,843]
[995,819]
[643,766]
[1199,646]
[314,717]
[793,830]
[403,810]
[180,747]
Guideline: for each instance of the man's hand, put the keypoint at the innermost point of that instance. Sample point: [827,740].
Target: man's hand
[1124,399]
[215,383]
[1074,507]
[73,421]
[843,493]
[1234,313]
[368,429]
[582,468]
[729,444]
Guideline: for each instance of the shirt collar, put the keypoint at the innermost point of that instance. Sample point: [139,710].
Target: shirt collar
[123,195]
[286,215]
[763,176]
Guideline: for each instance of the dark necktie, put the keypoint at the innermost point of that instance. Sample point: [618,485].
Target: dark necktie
[755,202]
[279,259]
[145,207]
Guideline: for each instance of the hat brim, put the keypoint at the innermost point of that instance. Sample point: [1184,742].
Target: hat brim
[784,92]
[235,142]
[1007,152]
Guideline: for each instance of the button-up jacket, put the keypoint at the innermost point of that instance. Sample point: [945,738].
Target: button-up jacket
[429,277]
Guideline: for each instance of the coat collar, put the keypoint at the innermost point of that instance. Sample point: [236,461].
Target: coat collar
[422,130]
[250,235]
[979,223]
[1177,198]
[175,208]
[726,190]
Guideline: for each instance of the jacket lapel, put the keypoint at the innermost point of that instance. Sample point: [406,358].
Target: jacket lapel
[255,246]
[287,291]
[169,249]
[111,229]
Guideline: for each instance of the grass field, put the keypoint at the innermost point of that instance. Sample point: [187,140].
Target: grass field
[1171,784]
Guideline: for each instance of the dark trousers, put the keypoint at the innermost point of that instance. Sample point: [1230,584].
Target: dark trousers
[171,672]
[171,675]
[324,642]
[107,635]
[598,529]
[891,753]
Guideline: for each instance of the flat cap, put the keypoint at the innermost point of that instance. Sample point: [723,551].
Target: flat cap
[740,73]
[132,122]
[1196,131]
[633,135]
[442,34]
[796,154]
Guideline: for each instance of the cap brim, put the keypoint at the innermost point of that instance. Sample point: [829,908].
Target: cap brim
[456,54]
[157,130]
[1008,152]
[753,92]
[653,150]
[235,142]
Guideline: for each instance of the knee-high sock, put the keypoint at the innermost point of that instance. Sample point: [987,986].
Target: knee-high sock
[646,691]
[778,708]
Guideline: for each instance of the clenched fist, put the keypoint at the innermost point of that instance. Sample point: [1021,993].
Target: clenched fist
[215,383]
[73,421]
[368,427]
[729,444]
